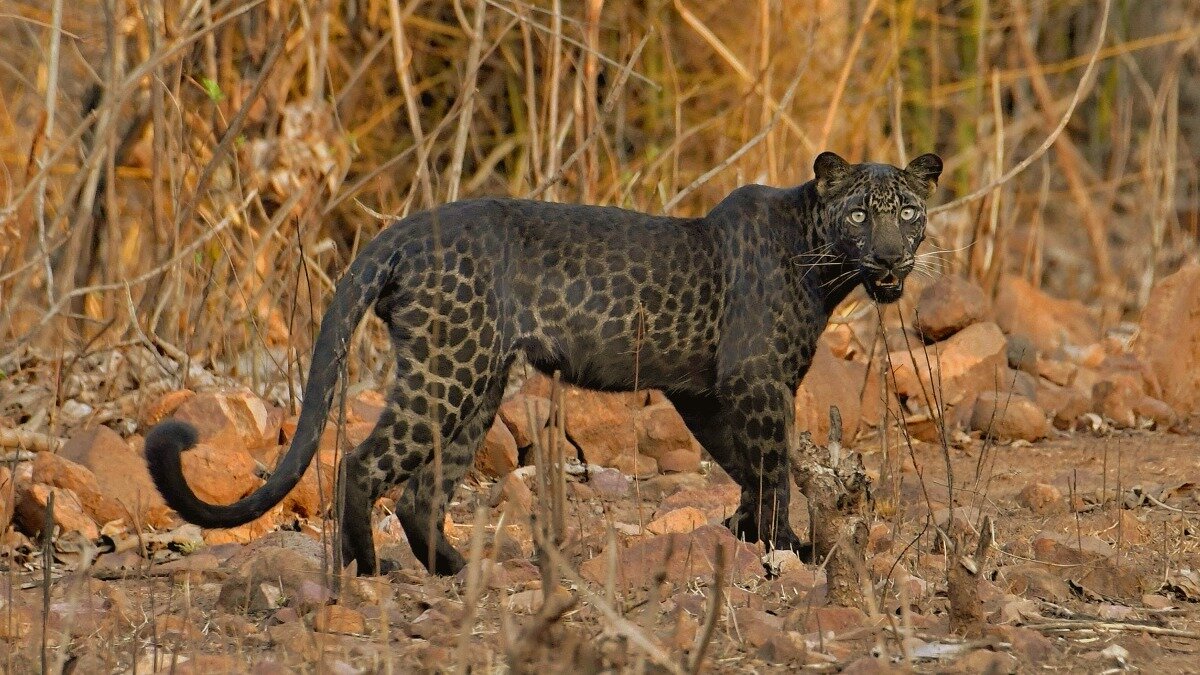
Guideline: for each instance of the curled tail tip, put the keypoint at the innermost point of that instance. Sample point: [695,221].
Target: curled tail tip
[169,437]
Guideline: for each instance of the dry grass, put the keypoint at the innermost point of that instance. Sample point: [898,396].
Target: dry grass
[194,175]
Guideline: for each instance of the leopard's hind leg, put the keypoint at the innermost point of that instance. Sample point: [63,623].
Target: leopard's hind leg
[402,448]
[422,507]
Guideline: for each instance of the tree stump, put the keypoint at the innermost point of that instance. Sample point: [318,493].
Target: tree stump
[839,499]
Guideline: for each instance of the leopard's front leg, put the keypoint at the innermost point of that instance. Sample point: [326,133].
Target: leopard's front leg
[759,411]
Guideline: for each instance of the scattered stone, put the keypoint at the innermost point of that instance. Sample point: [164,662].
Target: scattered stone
[969,361]
[829,620]
[433,625]
[1042,499]
[512,491]
[60,472]
[680,461]
[949,305]
[784,648]
[366,406]
[1049,322]
[1028,645]
[220,474]
[986,661]
[514,412]
[498,456]
[120,472]
[685,519]
[1061,373]
[601,425]
[1022,354]
[1156,601]
[1063,405]
[718,501]
[661,431]
[165,406]
[1067,550]
[609,483]
[69,515]
[339,619]
[236,418]
[681,557]
[830,381]
[1169,338]
[273,565]
[1009,417]
[635,464]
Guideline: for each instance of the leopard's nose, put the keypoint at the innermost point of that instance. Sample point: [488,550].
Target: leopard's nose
[887,258]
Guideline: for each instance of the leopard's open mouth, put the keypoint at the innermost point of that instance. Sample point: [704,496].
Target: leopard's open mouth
[884,286]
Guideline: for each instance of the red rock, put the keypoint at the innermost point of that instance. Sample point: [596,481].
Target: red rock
[284,568]
[826,619]
[1149,408]
[602,425]
[60,472]
[782,648]
[1114,400]
[718,501]
[238,418]
[514,412]
[315,489]
[756,626]
[1049,322]
[970,361]
[635,464]
[1169,339]
[1063,405]
[985,661]
[498,456]
[680,461]
[949,305]
[1042,499]
[870,665]
[120,472]
[830,381]
[1028,644]
[220,474]
[1061,373]
[1009,417]
[512,490]
[69,515]
[684,519]
[366,406]
[165,406]
[660,430]
[691,556]
[339,619]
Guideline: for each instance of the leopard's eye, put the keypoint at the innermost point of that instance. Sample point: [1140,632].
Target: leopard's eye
[908,213]
[858,216]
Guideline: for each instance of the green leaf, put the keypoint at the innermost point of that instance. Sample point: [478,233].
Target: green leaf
[212,89]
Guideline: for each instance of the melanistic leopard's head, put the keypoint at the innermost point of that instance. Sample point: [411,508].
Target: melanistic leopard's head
[874,215]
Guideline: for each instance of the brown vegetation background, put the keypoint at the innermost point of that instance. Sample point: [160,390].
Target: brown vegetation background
[192,176]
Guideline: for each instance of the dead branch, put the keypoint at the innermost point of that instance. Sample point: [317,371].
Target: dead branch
[966,610]
[839,497]
[29,440]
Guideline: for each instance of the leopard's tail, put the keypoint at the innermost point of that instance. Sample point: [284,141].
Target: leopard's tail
[355,293]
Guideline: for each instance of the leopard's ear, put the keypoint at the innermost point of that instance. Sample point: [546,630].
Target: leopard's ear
[926,169]
[829,168]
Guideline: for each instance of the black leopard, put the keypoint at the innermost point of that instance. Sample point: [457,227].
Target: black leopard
[722,313]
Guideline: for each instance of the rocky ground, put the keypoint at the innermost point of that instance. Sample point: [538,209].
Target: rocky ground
[1069,451]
